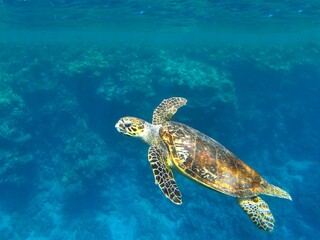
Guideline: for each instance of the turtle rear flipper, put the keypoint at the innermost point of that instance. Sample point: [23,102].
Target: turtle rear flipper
[259,212]
[163,175]
[275,191]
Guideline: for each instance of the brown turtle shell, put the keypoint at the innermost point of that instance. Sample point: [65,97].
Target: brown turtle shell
[209,163]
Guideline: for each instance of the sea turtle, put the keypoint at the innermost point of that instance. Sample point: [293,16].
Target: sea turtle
[200,158]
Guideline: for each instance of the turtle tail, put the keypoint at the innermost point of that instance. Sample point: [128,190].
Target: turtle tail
[275,191]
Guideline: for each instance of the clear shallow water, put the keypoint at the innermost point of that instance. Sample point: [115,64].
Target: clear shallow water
[69,70]
[245,15]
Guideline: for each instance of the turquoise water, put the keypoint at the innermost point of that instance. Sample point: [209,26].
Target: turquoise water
[70,69]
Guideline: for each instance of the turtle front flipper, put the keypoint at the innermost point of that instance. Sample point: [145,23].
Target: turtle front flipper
[166,109]
[259,212]
[163,175]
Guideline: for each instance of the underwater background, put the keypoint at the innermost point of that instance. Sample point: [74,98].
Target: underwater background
[70,69]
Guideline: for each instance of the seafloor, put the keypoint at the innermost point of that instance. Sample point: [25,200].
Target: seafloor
[65,173]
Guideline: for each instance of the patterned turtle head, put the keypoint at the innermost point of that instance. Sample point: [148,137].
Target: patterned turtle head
[131,126]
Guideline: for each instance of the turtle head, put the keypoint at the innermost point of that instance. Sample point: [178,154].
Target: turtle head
[131,126]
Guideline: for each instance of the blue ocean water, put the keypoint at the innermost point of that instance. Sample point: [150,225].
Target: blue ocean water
[70,69]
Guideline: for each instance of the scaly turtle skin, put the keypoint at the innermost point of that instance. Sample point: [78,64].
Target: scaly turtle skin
[202,159]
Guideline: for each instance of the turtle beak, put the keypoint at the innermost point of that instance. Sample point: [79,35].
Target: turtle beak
[122,127]
[119,126]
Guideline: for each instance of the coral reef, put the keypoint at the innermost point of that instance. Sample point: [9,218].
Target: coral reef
[73,177]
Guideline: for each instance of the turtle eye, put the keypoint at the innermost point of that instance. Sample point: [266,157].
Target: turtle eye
[127,124]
